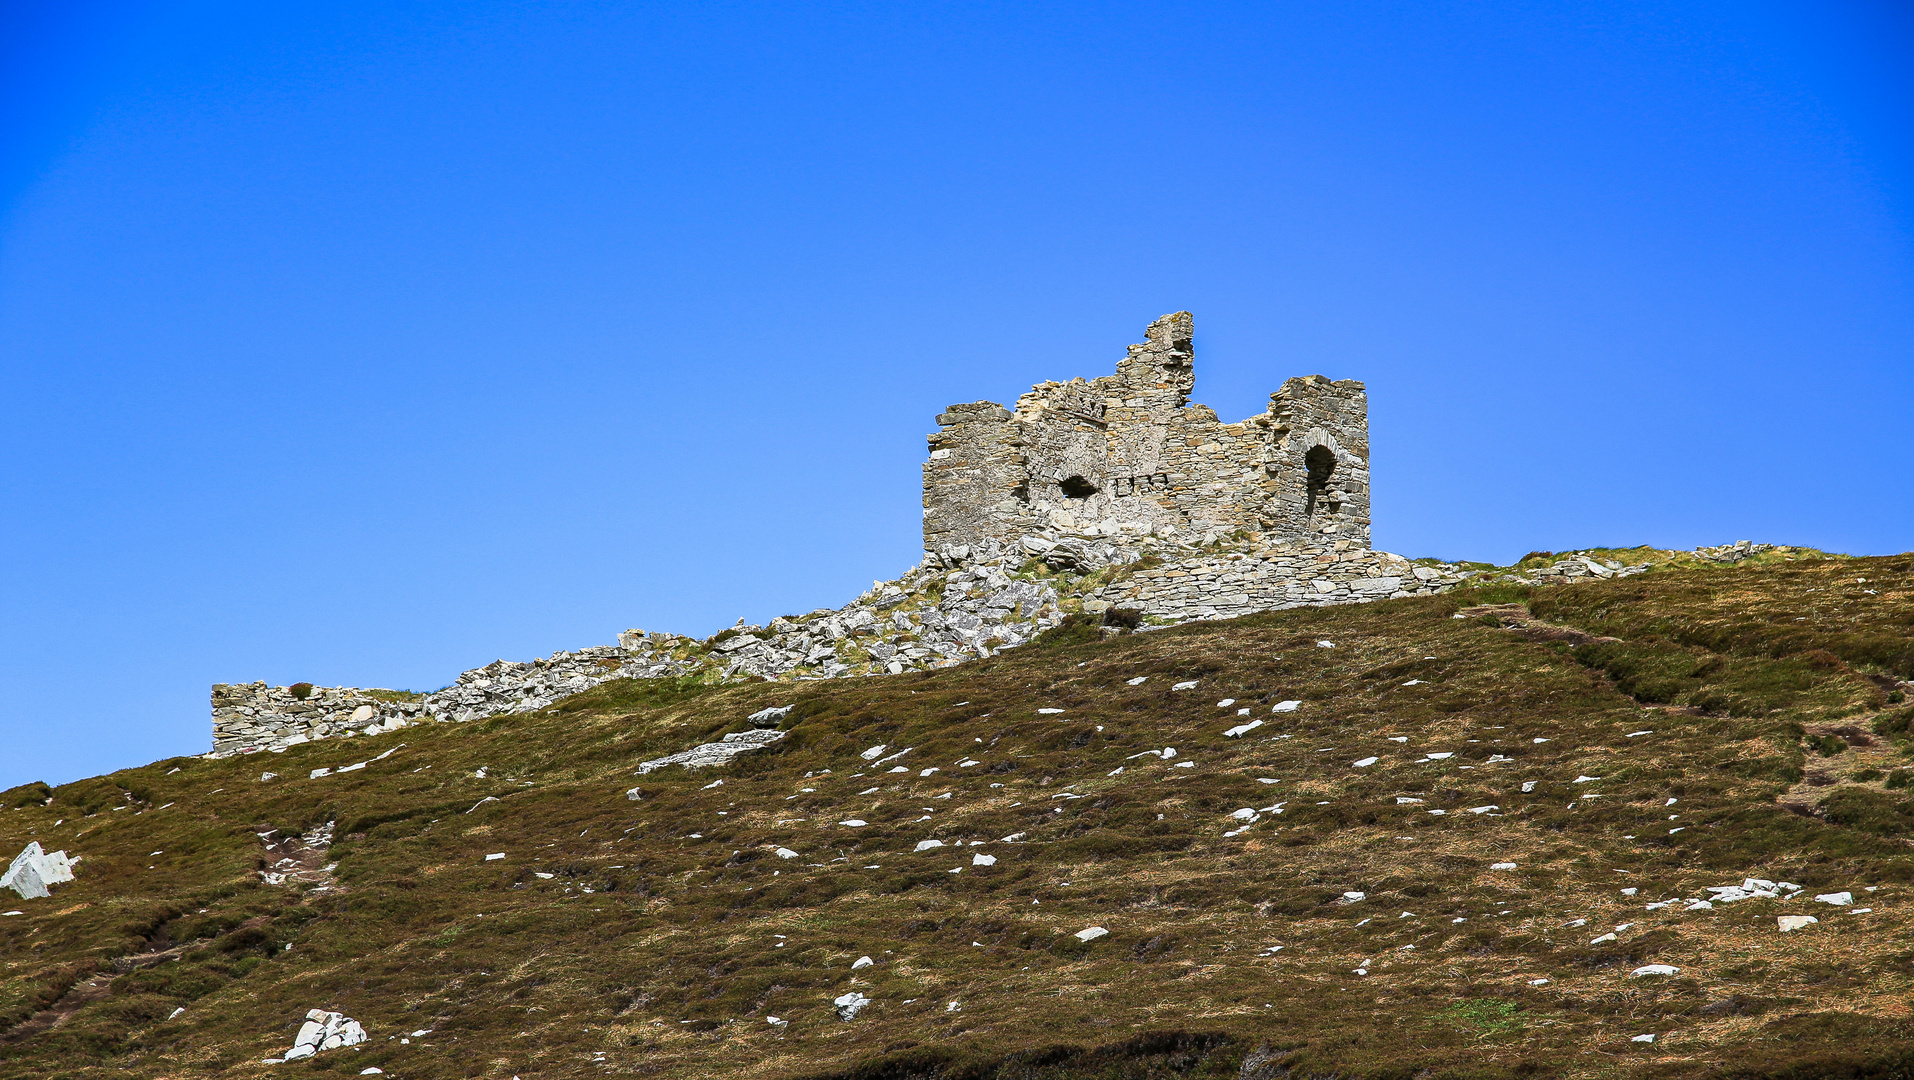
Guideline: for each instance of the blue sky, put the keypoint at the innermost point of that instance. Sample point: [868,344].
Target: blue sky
[364,343]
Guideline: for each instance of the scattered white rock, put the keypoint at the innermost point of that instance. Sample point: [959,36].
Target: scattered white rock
[874,752]
[1442,755]
[1408,800]
[1528,786]
[983,860]
[862,962]
[634,794]
[1285,706]
[1354,897]
[1483,809]
[1655,969]
[849,1005]
[770,715]
[1790,923]
[495,856]
[1502,866]
[1325,644]
[785,853]
[717,753]
[855,823]
[1191,685]
[1091,933]
[1838,899]
[1242,729]
[1138,681]
[926,845]
[1643,1039]
[33,870]
[324,1031]
[1538,982]
[1584,779]
[1048,712]
[1364,763]
[1599,940]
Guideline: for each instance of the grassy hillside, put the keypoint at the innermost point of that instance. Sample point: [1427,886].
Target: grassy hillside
[1687,728]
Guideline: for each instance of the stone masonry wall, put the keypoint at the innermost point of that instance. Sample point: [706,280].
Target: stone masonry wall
[1126,455]
[257,715]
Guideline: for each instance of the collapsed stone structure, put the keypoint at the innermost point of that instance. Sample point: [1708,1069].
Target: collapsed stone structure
[1127,455]
[1112,492]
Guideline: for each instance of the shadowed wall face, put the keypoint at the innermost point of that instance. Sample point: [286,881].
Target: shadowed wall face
[1127,455]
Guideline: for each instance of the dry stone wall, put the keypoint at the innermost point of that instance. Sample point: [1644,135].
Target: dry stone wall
[256,716]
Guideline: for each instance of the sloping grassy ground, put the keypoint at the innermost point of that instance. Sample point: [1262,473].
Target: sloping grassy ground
[656,937]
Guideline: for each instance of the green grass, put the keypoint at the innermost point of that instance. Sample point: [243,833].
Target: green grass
[668,928]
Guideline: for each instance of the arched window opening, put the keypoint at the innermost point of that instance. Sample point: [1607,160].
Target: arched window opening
[1321,463]
[1076,487]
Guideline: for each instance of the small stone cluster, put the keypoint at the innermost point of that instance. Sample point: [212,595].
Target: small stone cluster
[34,869]
[324,1031]
[1732,553]
[1581,566]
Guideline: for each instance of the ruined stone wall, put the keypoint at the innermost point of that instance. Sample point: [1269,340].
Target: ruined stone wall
[1126,455]
[254,715]
[1268,513]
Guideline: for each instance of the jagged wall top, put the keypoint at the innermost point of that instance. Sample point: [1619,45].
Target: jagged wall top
[1127,455]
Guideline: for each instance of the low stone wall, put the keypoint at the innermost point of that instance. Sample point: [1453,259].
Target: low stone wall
[1229,584]
[254,716]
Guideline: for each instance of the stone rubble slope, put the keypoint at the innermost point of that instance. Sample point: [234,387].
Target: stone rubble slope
[959,603]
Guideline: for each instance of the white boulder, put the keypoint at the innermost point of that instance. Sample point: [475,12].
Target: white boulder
[34,869]
[849,1005]
[325,1031]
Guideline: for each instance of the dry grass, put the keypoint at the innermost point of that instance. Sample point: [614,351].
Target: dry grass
[653,947]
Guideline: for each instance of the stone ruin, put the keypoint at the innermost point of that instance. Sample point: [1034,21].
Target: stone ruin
[1126,455]
[1092,495]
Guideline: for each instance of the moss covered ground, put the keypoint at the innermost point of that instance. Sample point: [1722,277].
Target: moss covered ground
[1686,728]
